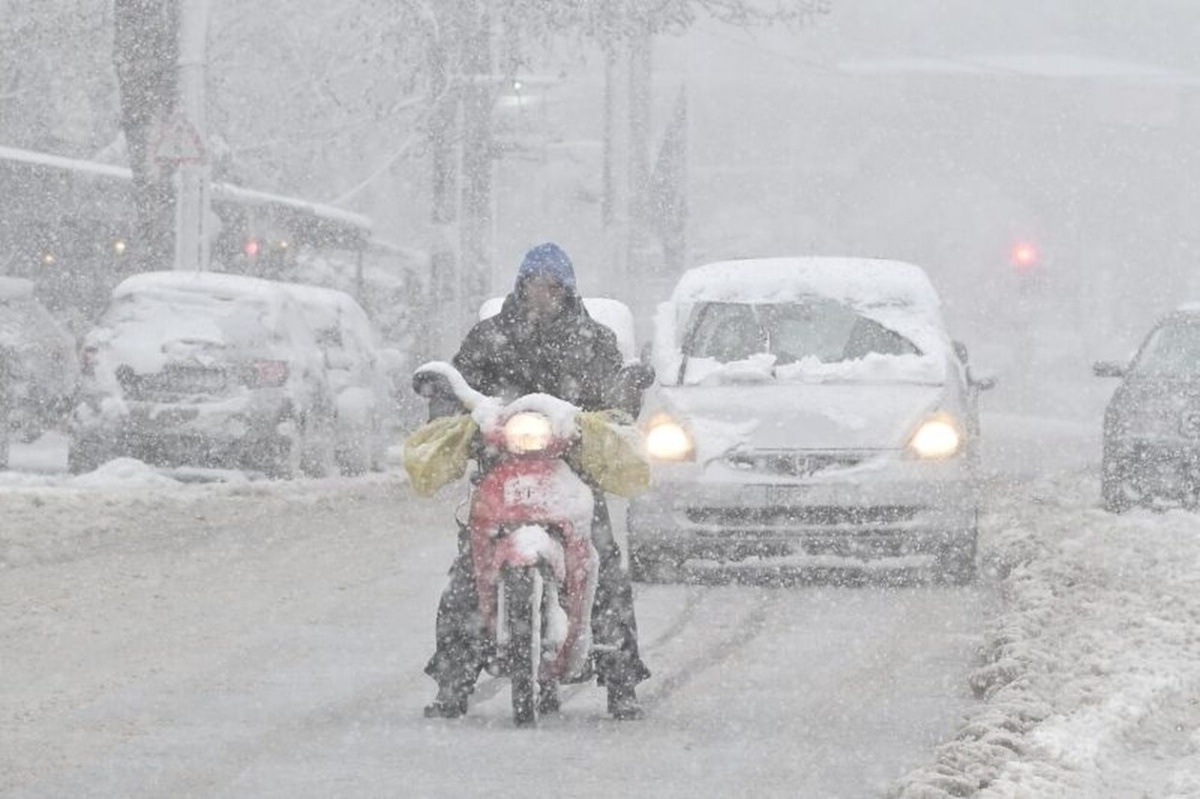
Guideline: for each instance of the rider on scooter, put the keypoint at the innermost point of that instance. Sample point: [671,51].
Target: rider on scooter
[542,341]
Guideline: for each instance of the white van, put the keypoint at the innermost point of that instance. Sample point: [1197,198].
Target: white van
[357,370]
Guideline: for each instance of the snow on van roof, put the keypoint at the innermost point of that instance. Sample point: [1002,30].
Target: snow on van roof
[15,287]
[218,284]
[857,281]
[59,162]
[226,191]
[616,316]
[322,302]
[220,191]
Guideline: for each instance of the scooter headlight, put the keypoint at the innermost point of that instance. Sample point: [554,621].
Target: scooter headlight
[527,432]
[936,439]
[667,440]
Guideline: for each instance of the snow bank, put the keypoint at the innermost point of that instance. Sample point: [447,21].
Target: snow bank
[1092,668]
[88,512]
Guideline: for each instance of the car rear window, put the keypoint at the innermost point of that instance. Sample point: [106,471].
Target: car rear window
[236,323]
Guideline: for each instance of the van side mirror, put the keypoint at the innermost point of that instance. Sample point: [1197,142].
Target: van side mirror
[960,350]
[431,384]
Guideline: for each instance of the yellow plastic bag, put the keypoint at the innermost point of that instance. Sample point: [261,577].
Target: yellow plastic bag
[610,454]
[437,452]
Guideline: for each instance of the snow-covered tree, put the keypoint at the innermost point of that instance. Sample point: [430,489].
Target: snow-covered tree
[462,58]
[56,82]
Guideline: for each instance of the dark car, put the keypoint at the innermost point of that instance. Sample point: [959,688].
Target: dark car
[1152,424]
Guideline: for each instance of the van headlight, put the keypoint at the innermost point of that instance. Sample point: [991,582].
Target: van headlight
[527,432]
[936,438]
[667,440]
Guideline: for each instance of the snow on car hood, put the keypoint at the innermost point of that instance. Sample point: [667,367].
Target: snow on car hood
[808,416]
[763,367]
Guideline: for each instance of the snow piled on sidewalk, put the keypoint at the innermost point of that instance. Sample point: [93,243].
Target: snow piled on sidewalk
[46,518]
[1091,680]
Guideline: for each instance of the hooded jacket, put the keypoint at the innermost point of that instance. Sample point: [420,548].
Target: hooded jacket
[572,356]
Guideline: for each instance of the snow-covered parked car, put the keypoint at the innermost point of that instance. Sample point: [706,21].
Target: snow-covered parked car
[808,411]
[203,369]
[358,375]
[39,368]
[1152,423]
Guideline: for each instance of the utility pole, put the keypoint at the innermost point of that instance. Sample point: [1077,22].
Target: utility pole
[640,48]
[608,199]
[444,327]
[146,57]
[193,177]
[477,154]
[626,169]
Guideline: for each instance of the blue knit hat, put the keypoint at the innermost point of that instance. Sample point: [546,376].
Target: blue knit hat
[547,259]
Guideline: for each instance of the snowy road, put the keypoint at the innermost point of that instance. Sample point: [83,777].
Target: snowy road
[267,640]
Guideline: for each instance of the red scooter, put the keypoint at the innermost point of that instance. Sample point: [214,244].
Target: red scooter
[530,527]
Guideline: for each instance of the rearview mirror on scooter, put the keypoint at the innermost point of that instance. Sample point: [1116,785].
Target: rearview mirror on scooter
[430,384]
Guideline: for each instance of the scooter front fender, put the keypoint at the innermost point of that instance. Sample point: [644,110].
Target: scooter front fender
[529,545]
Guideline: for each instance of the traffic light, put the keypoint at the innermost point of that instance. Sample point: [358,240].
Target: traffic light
[1024,257]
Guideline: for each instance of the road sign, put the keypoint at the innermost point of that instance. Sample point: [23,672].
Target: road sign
[178,142]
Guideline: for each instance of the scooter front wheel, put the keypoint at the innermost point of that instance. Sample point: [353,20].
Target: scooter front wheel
[523,611]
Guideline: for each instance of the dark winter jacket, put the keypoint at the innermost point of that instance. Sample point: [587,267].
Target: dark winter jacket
[572,357]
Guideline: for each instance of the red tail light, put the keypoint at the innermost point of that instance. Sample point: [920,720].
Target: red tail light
[1024,256]
[87,361]
[268,374]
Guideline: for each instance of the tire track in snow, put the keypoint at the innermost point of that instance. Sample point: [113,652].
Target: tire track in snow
[490,687]
[747,629]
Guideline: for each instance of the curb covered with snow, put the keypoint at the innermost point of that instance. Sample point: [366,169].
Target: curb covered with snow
[1091,677]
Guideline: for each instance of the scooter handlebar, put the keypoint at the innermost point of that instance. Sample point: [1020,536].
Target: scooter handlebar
[438,378]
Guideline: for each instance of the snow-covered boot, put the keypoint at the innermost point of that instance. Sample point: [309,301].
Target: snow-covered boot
[623,703]
[451,702]
[548,701]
